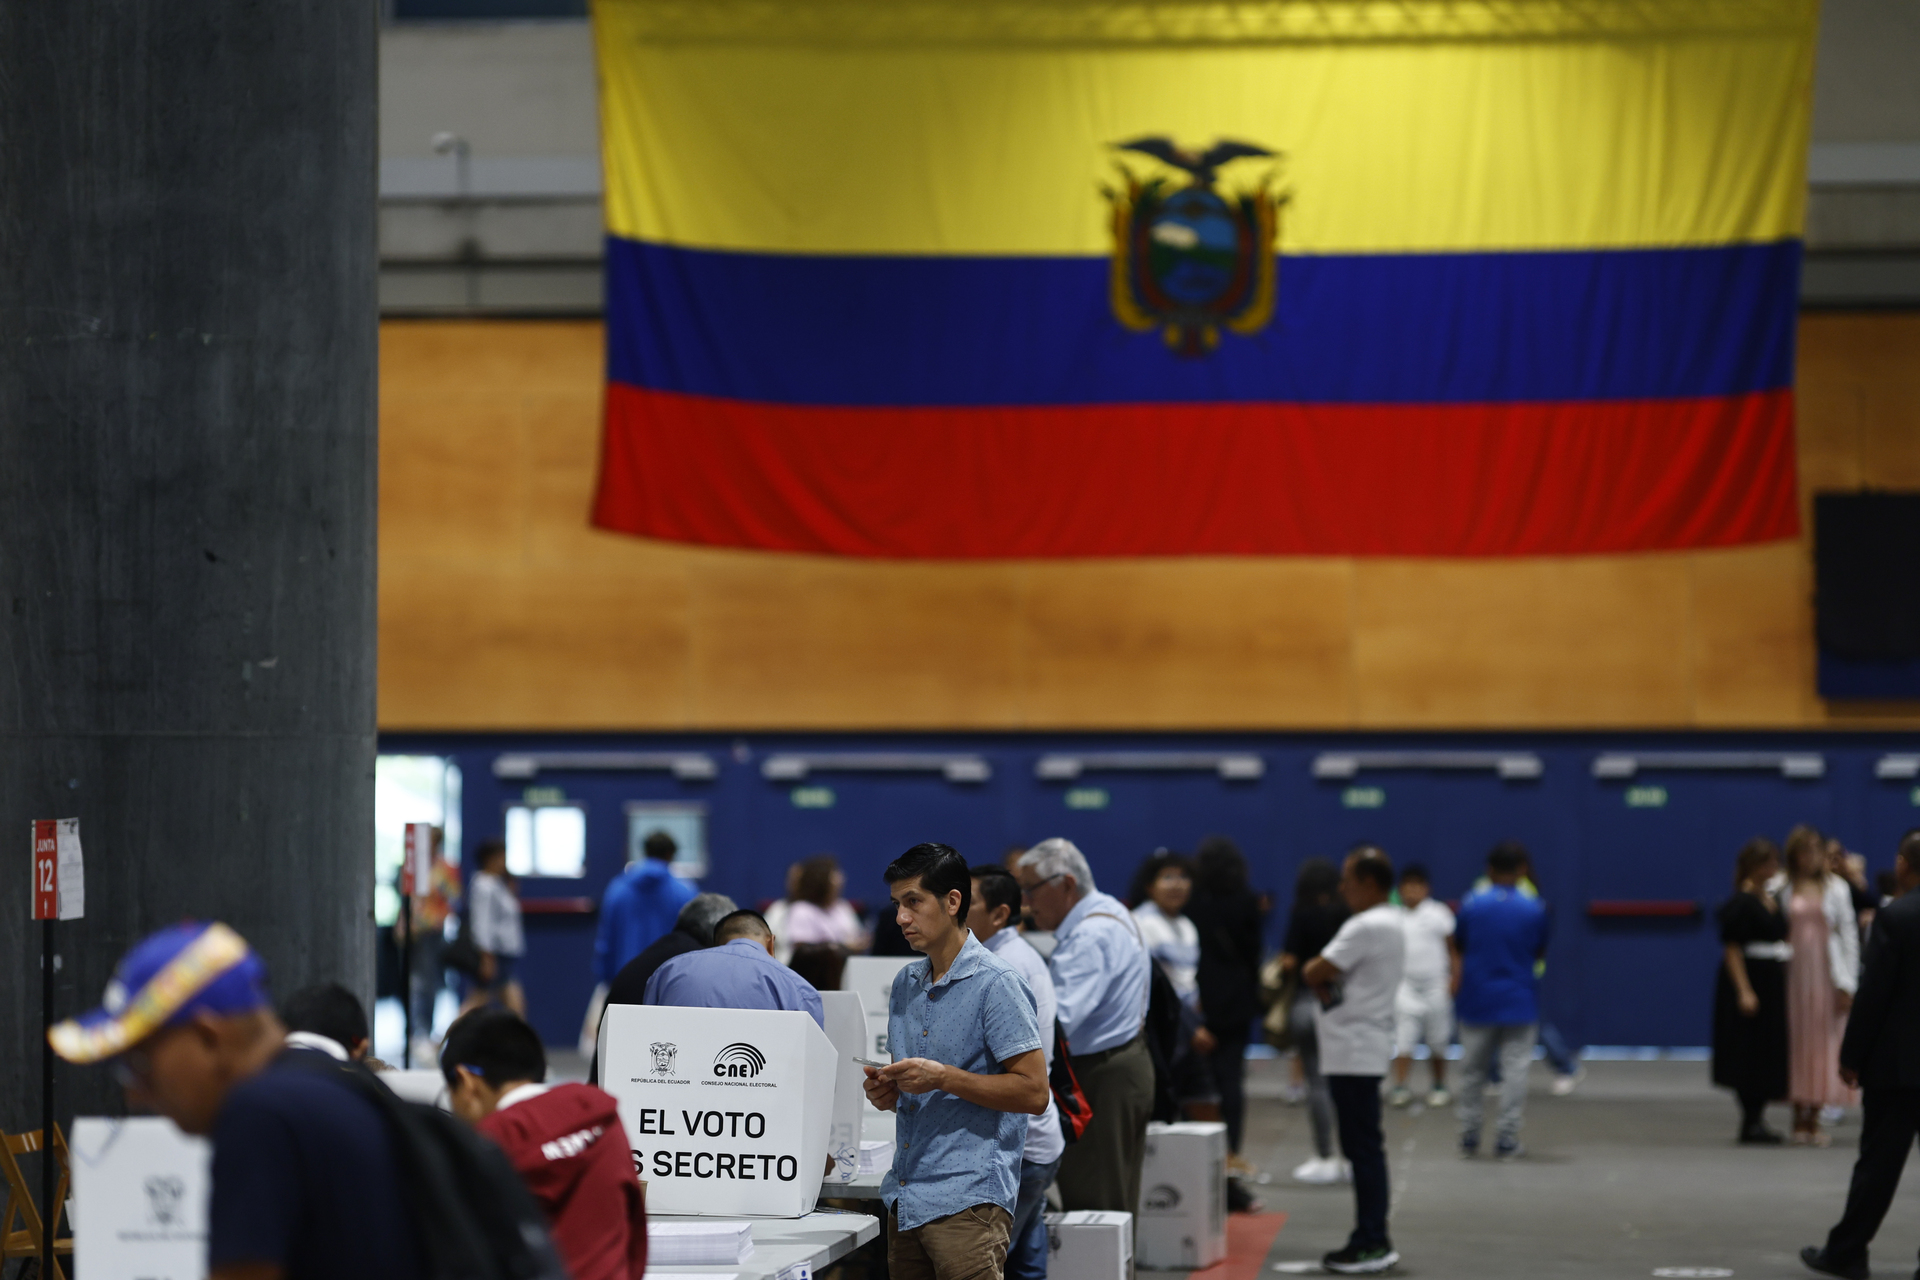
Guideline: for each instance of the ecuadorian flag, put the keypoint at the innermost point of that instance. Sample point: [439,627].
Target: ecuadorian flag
[970,278]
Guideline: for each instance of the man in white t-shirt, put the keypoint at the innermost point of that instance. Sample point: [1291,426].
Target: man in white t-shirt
[1357,977]
[995,906]
[1424,1007]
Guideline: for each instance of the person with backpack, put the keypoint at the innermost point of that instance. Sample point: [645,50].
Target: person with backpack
[308,1180]
[1102,978]
[565,1140]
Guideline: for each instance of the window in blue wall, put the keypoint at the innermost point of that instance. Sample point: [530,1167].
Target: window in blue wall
[547,840]
[685,822]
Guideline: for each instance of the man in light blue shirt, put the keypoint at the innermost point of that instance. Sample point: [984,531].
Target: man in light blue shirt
[967,1072]
[737,972]
[1100,980]
[996,903]
[639,908]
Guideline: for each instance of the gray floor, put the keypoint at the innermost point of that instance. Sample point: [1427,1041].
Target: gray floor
[1634,1171]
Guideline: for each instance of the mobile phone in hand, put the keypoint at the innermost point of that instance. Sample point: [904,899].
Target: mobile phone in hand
[869,1062]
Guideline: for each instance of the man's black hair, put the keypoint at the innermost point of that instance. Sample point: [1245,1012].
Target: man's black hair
[998,888]
[1370,862]
[1415,871]
[1508,858]
[660,846]
[940,870]
[743,923]
[1909,851]
[327,1009]
[487,849]
[498,1044]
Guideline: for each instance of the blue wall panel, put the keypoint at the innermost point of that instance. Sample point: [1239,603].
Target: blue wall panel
[1634,981]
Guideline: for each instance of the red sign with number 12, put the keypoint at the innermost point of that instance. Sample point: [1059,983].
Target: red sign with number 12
[46,869]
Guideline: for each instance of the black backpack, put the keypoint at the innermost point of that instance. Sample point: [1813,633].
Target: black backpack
[474,1217]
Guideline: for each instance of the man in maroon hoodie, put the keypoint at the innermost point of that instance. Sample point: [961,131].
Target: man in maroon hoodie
[566,1140]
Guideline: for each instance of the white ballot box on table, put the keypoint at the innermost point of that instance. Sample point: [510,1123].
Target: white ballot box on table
[1089,1245]
[872,978]
[847,1029]
[729,1111]
[1183,1196]
[140,1191]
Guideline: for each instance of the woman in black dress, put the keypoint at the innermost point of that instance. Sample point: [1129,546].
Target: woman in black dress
[1228,916]
[1750,998]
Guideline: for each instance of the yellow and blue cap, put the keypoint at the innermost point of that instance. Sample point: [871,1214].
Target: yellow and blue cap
[196,967]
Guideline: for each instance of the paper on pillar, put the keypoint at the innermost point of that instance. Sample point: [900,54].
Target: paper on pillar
[140,1200]
[73,875]
[872,977]
[729,1111]
[847,1029]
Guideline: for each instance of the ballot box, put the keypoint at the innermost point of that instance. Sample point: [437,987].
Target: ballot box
[1183,1197]
[872,977]
[728,1111]
[140,1191]
[1089,1245]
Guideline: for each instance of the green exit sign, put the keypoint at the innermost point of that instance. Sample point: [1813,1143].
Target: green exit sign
[1914,796]
[1088,798]
[1364,798]
[534,797]
[812,797]
[1646,797]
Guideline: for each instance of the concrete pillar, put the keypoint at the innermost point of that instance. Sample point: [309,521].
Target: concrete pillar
[187,486]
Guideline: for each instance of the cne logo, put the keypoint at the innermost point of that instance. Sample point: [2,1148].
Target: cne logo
[1161,1197]
[739,1060]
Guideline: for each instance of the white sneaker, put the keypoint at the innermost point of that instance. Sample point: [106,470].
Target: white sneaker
[1831,1116]
[1439,1098]
[1318,1173]
[1346,1171]
[1400,1097]
[1564,1085]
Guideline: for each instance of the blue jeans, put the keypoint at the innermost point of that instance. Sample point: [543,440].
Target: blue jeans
[1027,1245]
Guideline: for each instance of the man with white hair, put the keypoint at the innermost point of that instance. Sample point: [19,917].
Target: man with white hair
[1100,976]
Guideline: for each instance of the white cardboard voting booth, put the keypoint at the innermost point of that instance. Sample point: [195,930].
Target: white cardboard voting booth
[140,1191]
[847,1029]
[872,978]
[1089,1245]
[1183,1197]
[729,1111]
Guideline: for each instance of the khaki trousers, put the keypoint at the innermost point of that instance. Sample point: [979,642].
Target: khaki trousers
[968,1245]
[1102,1170]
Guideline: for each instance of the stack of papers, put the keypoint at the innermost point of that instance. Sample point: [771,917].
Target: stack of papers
[875,1157]
[720,1243]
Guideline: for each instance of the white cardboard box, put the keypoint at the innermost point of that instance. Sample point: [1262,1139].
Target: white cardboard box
[729,1111]
[847,1028]
[140,1191]
[872,977]
[1089,1245]
[1183,1197]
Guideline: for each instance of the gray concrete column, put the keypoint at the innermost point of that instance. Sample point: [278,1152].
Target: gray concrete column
[187,486]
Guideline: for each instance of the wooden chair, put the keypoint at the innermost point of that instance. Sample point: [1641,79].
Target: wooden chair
[24,1241]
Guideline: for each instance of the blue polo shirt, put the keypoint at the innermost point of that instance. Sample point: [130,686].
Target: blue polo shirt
[1500,931]
[950,1154]
[740,975]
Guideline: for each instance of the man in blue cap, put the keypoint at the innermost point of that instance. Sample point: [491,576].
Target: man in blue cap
[305,1183]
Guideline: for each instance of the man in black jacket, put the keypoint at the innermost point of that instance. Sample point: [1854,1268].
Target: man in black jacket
[1881,1055]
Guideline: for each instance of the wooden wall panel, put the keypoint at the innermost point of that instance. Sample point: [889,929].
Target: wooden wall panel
[502,609]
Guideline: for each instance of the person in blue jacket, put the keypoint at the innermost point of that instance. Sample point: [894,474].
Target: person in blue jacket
[640,907]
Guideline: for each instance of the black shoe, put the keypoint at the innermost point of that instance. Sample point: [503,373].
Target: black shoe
[1758,1135]
[1816,1259]
[1241,1200]
[1356,1261]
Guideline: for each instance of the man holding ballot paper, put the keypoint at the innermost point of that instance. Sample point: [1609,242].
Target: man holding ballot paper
[968,1071]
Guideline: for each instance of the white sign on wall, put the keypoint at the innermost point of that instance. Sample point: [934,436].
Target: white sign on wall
[139,1200]
[847,1029]
[872,977]
[729,1111]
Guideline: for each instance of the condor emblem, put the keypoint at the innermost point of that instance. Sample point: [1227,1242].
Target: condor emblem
[1189,260]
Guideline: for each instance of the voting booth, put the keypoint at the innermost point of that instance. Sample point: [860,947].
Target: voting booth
[1183,1197]
[140,1190]
[871,978]
[729,1111]
[846,1019]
